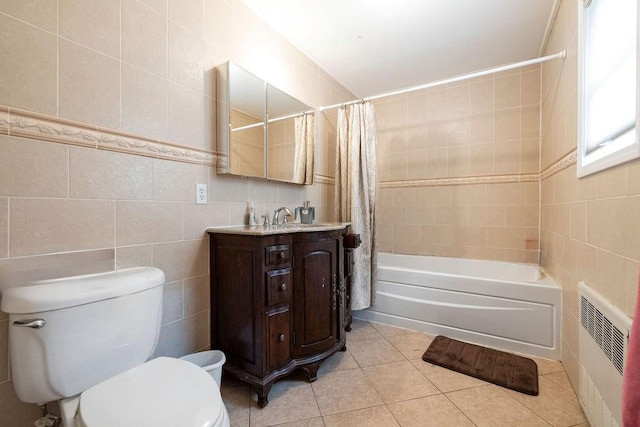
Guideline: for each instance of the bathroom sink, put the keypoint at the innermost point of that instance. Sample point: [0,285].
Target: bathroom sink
[292,227]
[298,226]
[317,224]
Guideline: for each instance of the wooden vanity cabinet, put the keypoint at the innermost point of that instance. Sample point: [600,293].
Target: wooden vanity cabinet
[350,243]
[277,303]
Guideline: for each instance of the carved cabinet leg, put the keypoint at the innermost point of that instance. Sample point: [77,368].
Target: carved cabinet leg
[263,394]
[312,371]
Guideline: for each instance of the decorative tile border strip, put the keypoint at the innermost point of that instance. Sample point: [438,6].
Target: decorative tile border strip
[27,124]
[467,180]
[38,126]
[4,120]
[223,161]
[562,164]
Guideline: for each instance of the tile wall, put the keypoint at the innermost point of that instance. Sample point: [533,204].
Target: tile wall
[107,122]
[459,165]
[483,221]
[589,226]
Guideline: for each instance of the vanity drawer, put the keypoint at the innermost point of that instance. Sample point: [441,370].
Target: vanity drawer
[279,342]
[278,286]
[277,254]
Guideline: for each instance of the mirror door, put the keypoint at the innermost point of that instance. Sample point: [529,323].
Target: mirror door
[290,134]
[244,122]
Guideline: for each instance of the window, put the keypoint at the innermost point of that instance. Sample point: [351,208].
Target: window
[608,84]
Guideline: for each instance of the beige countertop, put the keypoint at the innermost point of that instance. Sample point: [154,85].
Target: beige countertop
[292,227]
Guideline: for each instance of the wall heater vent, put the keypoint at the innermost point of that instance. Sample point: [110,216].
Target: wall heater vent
[607,336]
[603,338]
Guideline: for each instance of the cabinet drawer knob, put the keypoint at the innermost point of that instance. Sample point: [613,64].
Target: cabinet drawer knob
[282,255]
[283,286]
[281,337]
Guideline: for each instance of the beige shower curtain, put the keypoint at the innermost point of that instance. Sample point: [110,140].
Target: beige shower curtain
[356,194]
[303,157]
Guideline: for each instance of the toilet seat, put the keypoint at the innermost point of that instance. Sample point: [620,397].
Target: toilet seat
[161,392]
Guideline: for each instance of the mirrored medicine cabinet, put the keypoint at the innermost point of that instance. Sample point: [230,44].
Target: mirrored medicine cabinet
[262,131]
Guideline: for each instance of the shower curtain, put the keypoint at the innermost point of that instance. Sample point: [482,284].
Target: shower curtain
[303,155]
[356,193]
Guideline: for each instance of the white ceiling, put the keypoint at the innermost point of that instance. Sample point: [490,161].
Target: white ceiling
[374,46]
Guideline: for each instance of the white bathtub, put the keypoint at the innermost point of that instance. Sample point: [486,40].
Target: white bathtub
[510,306]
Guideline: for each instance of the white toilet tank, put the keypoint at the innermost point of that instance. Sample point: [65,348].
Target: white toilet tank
[95,326]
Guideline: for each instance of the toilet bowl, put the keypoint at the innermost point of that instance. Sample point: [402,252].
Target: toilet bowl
[162,392]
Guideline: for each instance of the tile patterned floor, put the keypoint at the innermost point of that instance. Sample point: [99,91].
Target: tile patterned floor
[381,380]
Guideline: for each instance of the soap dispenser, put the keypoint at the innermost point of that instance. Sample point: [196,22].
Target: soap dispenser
[307,213]
[252,214]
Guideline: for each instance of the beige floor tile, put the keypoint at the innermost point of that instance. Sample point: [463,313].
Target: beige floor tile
[444,379]
[412,346]
[312,422]
[362,330]
[547,366]
[555,404]
[561,379]
[338,362]
[378,416]
[432,411]
[399,381]
[491,406]
[374,352]
[391,331]
[344,391]
[238,403]
[289,400]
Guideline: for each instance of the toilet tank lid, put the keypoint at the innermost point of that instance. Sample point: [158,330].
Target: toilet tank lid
[65,292]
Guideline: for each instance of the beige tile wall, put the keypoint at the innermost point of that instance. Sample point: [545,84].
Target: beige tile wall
[143,67]
[589,226]
[468,134]
[484,221]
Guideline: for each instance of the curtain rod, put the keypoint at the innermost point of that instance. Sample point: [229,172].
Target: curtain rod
[561,54]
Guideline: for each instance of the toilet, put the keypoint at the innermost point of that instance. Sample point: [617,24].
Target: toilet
[85,341]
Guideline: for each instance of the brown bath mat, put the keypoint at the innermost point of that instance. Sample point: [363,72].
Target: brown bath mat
[497,367]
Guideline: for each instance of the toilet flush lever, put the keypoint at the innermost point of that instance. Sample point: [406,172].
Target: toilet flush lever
[31,323]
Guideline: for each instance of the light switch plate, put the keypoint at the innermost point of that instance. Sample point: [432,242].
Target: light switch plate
[201,194]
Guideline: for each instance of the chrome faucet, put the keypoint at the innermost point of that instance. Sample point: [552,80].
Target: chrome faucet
[276,215]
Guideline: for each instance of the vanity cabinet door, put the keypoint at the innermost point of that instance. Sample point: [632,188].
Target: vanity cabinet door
[315,294]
